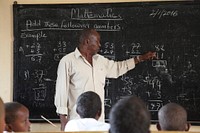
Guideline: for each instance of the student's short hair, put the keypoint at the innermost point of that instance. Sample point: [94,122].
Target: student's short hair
[129,115]
[11,109]
[88,105]
[172,117]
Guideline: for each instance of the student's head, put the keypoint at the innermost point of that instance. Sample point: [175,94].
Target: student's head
[129,115]
[89,41]
[89,105]
[2,116]
[172,117]
[17,117]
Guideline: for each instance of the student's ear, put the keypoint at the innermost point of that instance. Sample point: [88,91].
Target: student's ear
[187,126]
[158,127]
[99,113]
[8,128]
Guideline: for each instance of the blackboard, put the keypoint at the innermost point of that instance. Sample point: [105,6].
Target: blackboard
[44,33]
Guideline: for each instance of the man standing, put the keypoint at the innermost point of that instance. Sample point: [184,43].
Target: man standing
[83,69]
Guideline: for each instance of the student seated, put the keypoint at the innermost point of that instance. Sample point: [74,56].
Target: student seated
[89,109]
[17,117]
[2,116]
[129,115]
[172,117]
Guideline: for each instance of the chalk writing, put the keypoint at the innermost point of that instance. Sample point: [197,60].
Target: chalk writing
[21,49]
[38,75]
[36,35]
[61,50]
[159,63]
[26,75]
[38,103]
[32,23]
[35,52]
[153,81]
[62,46]
[73,25]
[127,87]
[154,105]
[108,82]
[108,103]
[49,24]
[160,13]
[108,48]
[105,14]
[160,51]
[107,27]
[67,25]
[57,57]
[133,49]
[40,93]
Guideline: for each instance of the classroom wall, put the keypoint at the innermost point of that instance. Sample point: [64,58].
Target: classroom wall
[6,51]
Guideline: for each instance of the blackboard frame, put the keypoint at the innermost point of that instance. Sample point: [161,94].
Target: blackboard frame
[17,31]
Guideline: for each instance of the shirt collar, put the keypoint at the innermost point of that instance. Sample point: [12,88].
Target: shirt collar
[78,54]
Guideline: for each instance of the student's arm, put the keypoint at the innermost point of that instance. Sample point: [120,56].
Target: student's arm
[63,121]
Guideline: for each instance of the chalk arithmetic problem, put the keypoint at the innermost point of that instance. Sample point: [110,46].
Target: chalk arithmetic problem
[43,34]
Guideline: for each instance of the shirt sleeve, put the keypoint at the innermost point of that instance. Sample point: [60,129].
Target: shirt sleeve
[118,68]
[62,88]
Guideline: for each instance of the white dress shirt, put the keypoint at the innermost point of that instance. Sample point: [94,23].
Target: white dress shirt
[86,124]
[75,75]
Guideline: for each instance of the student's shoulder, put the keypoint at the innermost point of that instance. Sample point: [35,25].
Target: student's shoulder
[105,124]
[74,121]
[102,126]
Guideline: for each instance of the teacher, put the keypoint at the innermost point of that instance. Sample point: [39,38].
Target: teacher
[85,70]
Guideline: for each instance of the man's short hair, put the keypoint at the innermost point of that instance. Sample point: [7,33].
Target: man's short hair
[129,115]
[85,33]
[172,117]
[88,105]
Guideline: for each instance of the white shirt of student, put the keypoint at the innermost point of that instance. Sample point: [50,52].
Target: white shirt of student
[8,132]
[86,124]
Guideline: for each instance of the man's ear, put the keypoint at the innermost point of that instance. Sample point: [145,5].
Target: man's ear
[8,127]
[158,127]
[87,41]
[187,126]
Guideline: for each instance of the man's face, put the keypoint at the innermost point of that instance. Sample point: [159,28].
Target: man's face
[94,43]
[21,123]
